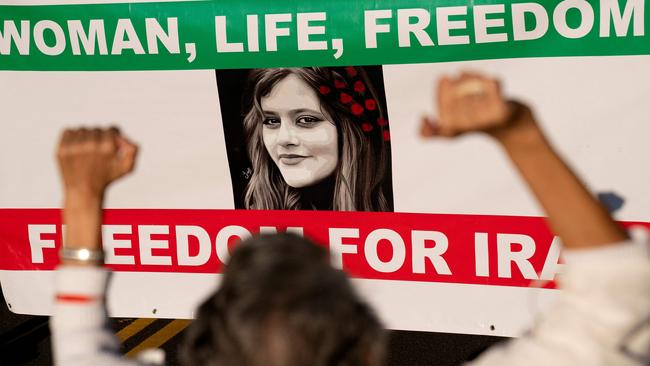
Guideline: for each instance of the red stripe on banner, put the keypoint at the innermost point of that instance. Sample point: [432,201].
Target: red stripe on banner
[471,249]
[75,298]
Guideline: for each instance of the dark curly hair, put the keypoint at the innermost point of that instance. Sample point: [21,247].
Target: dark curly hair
[281,303]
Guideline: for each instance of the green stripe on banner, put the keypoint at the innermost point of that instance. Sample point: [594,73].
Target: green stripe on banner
[262,33]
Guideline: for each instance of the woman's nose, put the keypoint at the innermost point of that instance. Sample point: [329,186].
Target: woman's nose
[287,135]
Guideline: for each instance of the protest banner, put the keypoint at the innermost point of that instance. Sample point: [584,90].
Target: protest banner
[440,235]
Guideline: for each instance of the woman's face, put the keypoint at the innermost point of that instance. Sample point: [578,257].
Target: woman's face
[299,137]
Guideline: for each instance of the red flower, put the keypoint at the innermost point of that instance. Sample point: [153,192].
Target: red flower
[339,84]
[359,87]
[324,89]
[386,135]
[382,122]
[351,71]
[345,98]
[366,127]
[356,109]
[371,104]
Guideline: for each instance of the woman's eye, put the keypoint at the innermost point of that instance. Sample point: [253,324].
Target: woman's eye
[271,122]
[307,120]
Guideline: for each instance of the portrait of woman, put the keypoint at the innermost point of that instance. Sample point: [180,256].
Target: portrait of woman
[313,139]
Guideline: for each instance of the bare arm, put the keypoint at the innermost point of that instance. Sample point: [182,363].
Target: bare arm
[605,293]
[89,160]
[473,103]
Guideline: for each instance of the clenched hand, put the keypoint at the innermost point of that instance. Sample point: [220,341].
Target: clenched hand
[90,159]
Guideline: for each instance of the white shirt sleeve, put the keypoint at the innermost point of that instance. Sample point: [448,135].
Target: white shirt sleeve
[79,325]
[602,316]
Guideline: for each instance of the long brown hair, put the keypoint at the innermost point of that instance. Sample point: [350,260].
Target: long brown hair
[361,170]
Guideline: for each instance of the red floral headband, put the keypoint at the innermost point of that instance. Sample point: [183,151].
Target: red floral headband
[349,88]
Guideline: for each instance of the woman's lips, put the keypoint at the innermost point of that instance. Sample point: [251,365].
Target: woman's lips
[291,159]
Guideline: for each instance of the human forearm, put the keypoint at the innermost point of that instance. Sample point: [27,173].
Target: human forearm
[474,103]
[606,289]
[82,214]
[89,160]
[573,213]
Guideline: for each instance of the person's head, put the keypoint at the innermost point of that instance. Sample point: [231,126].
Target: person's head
[298,137]
[281,303]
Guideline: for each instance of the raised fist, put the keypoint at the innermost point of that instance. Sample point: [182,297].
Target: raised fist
[90,159]
[472,102]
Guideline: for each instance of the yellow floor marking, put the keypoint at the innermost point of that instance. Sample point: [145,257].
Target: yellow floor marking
[160,337]
[133,328]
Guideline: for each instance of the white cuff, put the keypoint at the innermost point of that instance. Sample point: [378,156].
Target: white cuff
[89,281]
[637,246]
